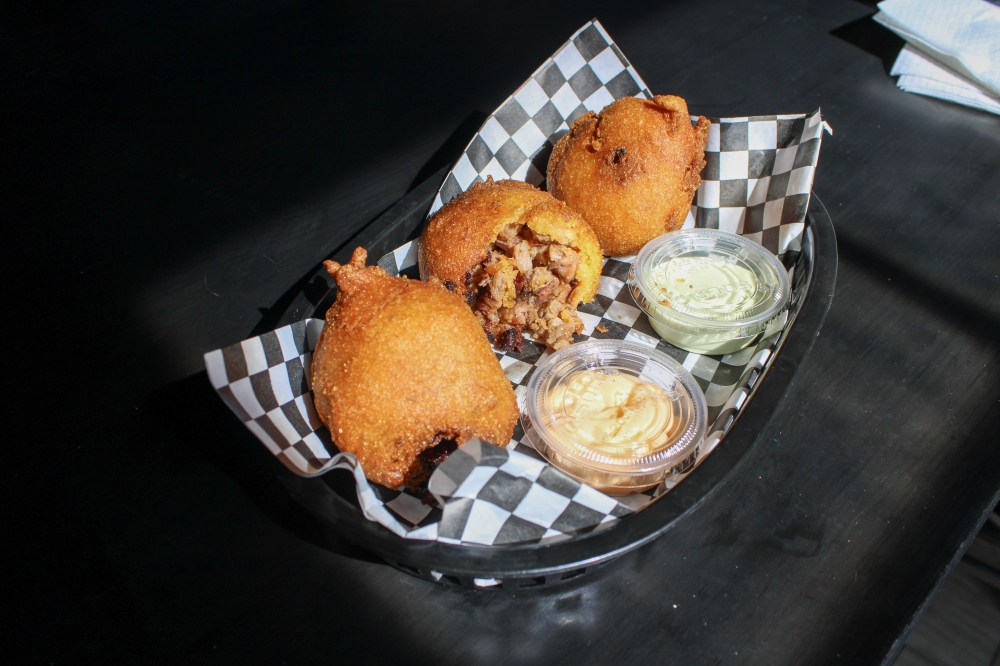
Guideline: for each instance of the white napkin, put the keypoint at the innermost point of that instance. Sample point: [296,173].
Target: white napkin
[963,35]
[919,74]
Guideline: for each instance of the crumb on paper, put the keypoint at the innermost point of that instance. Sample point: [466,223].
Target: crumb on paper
[602,329]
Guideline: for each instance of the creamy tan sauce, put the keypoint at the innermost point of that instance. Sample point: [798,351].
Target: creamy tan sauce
[612,413]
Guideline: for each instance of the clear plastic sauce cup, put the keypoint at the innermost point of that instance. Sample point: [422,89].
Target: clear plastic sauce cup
[616,415]
[709,291]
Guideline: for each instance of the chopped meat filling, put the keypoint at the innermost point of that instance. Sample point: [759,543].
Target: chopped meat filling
[527,281]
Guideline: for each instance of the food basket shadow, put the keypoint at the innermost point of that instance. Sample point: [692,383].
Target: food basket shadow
[536,566]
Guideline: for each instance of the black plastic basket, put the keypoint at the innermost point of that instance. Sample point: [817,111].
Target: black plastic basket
[513,567]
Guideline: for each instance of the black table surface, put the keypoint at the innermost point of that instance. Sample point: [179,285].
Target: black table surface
[171,169]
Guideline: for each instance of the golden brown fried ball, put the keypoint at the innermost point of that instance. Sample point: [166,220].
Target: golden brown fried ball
[400,366]
[518,256]
[632,170]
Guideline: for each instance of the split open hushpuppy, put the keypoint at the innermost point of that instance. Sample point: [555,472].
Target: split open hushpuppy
[520,258]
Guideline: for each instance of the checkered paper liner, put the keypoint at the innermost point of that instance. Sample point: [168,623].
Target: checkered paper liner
[756,182]
[487,494]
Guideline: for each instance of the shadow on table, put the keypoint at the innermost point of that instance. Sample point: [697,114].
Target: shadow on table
[314,286]
[221,440]
[980,322]
[970,315]
[872,38]
[451,149]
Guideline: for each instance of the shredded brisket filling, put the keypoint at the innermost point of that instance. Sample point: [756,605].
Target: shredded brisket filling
[527,281]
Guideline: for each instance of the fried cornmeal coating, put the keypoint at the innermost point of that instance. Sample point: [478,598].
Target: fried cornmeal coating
[402,365]
[519,257]
[632,170]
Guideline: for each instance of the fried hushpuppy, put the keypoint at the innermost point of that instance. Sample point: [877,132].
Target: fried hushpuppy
[632,170]
[401,366]
[519,257]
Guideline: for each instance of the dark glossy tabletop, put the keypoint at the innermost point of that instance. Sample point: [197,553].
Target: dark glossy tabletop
[171,170]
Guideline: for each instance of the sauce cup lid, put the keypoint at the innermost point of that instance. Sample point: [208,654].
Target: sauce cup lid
[756,290]
[554,409]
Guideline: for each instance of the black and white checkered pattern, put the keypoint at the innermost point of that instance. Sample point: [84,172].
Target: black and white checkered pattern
[495,496]
[265,381]
[586,74]
[758,176]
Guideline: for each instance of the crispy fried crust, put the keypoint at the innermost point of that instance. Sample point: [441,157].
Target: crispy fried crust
[457,237]
[631,171]
[401,365]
